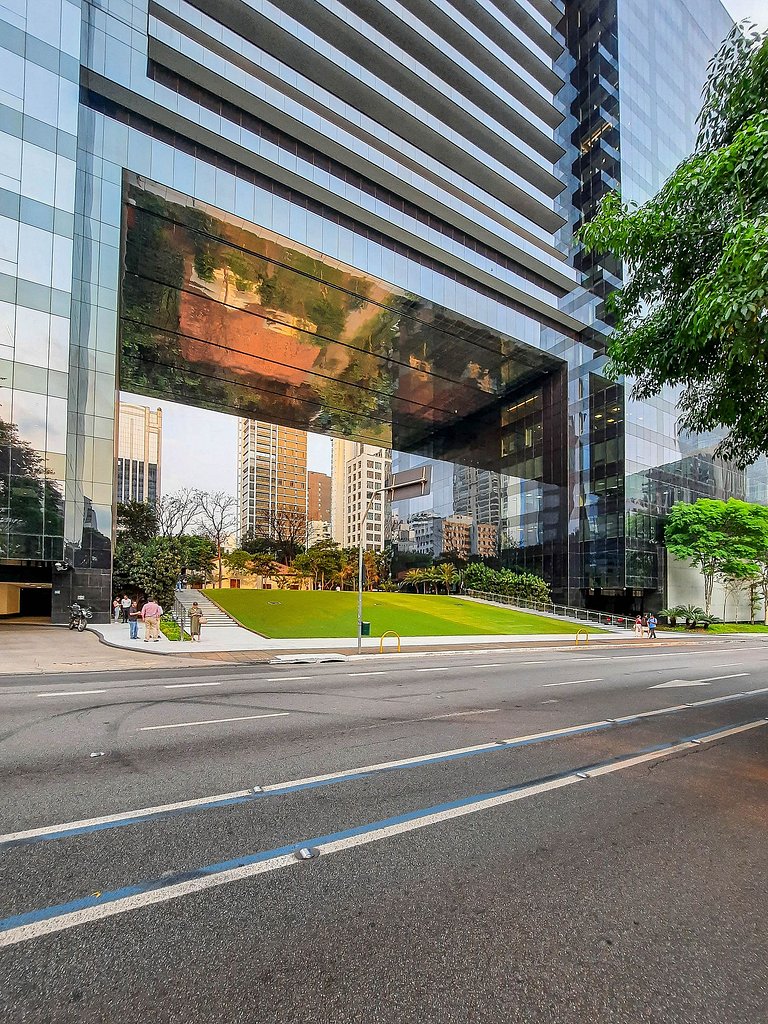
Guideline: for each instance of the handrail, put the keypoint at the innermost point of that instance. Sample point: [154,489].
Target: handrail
[179,612]
[389,632]
[563,610]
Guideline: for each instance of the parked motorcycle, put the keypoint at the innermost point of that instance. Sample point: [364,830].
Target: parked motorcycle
[79,616]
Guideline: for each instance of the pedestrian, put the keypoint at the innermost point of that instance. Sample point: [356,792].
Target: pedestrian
[116,609]
[151,613]
[125,606]
[133,620]
[638,627]
[652,624]
[644,625]
[195,619]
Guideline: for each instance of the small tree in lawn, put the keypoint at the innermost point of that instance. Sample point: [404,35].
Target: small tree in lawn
[449,577]
[717,537]
[218,519]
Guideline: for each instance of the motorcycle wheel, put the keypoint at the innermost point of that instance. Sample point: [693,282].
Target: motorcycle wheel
[72,624]
[81,625]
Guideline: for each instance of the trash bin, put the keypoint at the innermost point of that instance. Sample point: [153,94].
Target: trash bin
[365,629]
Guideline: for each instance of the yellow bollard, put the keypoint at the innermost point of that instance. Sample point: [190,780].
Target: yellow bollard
[389,632]
[586,636]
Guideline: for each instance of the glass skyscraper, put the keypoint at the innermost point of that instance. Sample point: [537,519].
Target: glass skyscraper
[351,217]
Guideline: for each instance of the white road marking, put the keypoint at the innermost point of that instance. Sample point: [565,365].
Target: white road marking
[377,672]
[282,679]
[678,683]
[70,693]
[212,721]
[458,714]
[200,883]
[572,682]
[178,686]
[496,664]
[443,668]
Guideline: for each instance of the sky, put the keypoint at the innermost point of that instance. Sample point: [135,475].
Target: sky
[756,10]
[200,447]
[212,464]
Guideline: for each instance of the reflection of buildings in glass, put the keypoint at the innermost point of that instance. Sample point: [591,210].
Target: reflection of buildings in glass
[272,476]
[358,471]
[477,495]
[417,293]
[139,453]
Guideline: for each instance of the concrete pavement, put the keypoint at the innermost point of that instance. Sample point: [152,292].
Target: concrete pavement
[526,893]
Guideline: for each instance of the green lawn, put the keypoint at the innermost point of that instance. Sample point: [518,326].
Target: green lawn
[295,614]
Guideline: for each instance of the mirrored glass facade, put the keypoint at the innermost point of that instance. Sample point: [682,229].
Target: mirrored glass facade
[350,217]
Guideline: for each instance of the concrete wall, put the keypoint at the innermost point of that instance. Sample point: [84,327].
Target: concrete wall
[10,597]
[685,585]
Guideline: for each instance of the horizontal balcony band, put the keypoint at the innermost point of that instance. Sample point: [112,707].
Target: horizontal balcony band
[541,273]
[280,43]
[152,112]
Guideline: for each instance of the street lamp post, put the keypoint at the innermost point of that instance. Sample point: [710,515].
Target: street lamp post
[411,483]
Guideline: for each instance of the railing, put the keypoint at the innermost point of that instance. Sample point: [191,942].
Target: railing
[563,610]
[179,613]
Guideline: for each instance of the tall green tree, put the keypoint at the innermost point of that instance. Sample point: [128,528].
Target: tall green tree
[694,310]
[138,519]
[722,539]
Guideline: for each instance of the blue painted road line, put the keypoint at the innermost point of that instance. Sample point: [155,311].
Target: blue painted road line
[48,920]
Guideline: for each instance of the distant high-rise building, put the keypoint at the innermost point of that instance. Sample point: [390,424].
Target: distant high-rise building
[357,472]
[318,497]
[272,475]
[139,453]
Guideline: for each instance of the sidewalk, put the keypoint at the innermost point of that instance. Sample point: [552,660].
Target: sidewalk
[36,648]
[236,639]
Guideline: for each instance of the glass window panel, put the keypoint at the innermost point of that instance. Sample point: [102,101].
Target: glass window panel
[28,413]
[38,174]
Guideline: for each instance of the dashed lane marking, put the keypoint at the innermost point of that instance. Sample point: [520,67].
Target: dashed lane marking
[573,682]
[71,693]
[212,721]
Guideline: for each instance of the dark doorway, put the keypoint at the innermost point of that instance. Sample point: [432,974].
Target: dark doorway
[35,601]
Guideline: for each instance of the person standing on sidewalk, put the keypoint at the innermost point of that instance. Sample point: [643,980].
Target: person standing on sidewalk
[652,624]
[116,609]
[195,619]
[125,607]
[151,613]
[133,620]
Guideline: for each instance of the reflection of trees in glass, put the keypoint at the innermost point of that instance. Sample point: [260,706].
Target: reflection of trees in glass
[154,272]
[33,505]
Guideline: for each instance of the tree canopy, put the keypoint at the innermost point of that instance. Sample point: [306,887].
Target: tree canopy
[694,310]
[723,539]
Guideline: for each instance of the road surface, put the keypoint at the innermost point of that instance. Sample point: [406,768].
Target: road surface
[535,836]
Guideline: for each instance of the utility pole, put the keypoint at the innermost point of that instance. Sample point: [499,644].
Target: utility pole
[411,483]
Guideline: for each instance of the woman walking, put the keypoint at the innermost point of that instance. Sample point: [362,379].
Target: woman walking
[195,619]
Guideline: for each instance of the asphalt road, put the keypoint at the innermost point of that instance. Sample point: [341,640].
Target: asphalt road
[535,836]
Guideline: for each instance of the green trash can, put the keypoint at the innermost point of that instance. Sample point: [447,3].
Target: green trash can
[365,629]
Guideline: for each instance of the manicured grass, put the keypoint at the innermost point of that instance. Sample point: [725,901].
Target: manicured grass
[295,614]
